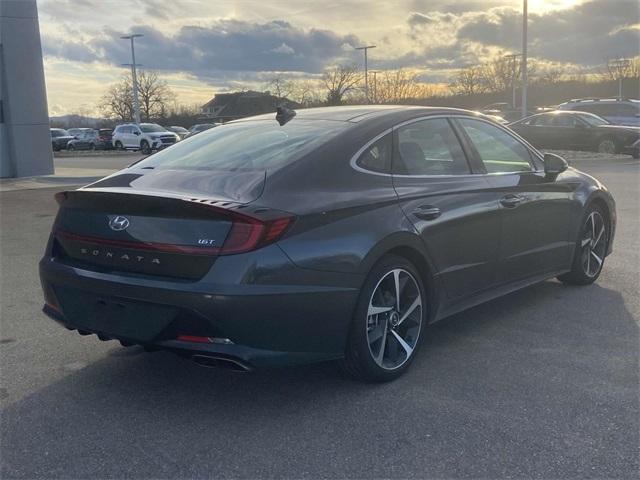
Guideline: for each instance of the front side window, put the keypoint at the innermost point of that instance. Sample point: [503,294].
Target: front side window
[247,145]
[499,151]
[429,147]
[377,156]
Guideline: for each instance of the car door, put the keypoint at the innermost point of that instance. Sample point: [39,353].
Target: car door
[134,137]
[535,208]
[541,133]
[453,209]
[570,132]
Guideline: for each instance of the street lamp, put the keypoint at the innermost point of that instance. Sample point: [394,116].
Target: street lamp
[136,104]
[619,67]
[513,57]
[366,79]
[524,58]
[375,85]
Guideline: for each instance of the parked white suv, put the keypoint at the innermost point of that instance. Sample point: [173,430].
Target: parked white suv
[144,136]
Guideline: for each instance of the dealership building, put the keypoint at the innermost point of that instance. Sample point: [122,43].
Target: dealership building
[25,141]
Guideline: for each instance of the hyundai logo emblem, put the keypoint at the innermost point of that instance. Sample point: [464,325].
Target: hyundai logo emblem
[119,223]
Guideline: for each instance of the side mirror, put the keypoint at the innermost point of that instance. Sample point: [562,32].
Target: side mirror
[136,133]
[554,164]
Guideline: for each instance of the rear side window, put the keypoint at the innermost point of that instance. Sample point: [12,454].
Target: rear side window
[626,110]
[564,120]
[499,151]
[377,156]
[247,145]
[429,147]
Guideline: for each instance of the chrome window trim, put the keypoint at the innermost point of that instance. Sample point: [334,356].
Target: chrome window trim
[527,145]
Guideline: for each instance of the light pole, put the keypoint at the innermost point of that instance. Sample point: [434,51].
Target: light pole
[619,67]
[136,104]
[524,58]
[366,79]
[513,57]
[375,86]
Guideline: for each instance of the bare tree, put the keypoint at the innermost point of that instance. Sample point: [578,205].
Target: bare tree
[280,87]
[499,74]
[624,68]
[154,96]
[399,86]
[469,81]
[338,81]
[117,102]
[305,92]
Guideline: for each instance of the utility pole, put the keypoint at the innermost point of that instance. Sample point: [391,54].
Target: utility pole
[366,73]
[375,86]
[513,57]
[134,77]
[524,58]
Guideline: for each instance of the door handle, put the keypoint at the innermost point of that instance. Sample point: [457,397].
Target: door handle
[511,201]
[427,212]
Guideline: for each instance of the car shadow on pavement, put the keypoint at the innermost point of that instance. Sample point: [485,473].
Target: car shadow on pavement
[542,382]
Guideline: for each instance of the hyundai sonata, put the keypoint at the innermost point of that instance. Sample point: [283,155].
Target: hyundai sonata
[333,233]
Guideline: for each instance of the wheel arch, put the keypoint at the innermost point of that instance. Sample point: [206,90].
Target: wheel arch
[411,247]
[599,199]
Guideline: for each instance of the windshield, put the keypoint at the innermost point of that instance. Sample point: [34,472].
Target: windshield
[594,120]
[179,129]
[151,127]
[250,145]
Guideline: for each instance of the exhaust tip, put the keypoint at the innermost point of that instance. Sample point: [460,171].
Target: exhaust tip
[209,361]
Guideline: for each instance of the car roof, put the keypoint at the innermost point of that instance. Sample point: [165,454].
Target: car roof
[361,113]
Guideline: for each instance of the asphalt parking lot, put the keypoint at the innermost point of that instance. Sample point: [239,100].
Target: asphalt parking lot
[542,383]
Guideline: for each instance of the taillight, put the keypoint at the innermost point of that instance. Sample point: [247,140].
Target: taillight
[249,233]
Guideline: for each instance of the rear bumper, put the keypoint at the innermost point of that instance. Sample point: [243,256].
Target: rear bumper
[268,325]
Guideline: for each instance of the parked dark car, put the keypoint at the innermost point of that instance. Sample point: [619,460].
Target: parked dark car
[578,131]
[59,139]
[104,137]
[180,131]
[201,127]
[86,139]
[336,233]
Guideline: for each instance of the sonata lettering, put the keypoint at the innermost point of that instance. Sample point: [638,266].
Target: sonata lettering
[123,257]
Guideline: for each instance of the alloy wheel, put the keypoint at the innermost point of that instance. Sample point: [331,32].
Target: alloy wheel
[593,244]
[607,146]
[394,319]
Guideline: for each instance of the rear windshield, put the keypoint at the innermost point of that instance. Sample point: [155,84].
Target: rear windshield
[59,133]
[250,145]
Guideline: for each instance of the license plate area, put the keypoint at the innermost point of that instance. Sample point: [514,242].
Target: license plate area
[120,318]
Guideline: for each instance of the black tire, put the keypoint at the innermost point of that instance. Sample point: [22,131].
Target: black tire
[119,145]
[71,147]
[636,153]
[588,260]
[92,146]
[359,360]
[144,147]
[56,148]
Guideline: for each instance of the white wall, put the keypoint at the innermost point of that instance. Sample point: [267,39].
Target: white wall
[25,148]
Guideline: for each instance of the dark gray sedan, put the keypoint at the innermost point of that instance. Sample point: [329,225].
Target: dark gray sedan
[333,233]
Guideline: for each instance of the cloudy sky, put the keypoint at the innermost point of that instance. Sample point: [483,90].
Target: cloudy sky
[209,46]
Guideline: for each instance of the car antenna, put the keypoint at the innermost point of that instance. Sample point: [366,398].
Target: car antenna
[284,114]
